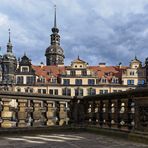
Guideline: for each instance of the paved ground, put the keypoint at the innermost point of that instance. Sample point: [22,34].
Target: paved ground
[67,140]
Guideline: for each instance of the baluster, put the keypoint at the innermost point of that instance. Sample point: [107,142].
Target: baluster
[51,115]
[90,114]
[101,114]
[109,113]
[131,112]
[37,113]
[105,113]
[124,114]
[118,113]
[63,113]
[96,112]
[22,114]
[6,114]
[114,114]
[0,112]
[43,113]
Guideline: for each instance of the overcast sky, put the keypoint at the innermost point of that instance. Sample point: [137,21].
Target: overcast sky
[110,31]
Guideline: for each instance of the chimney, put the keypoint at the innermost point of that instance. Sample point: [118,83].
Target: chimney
[120,65]
[42,64]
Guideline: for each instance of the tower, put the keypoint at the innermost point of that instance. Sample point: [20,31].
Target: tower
[54,53]
[146,69]
[8,64]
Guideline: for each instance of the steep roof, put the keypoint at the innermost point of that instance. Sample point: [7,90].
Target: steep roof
[54,71]
[48,71]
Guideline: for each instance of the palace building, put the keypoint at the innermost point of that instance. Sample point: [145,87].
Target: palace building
[77,79]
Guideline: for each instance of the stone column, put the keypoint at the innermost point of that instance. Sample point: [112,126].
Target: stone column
[63,113]
[22,114]
[51,113]
[6,114]
[37,113]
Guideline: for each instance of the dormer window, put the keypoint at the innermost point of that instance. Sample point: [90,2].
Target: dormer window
[41,80]
[54,80]
[115,80]
[132,73]
[24,69]
[103,80]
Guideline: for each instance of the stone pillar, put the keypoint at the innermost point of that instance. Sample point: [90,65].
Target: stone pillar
[22,114]
[51,116]
[63,113]
[37,113]
[6,114]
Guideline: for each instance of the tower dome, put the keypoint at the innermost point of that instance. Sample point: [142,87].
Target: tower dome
[54,53]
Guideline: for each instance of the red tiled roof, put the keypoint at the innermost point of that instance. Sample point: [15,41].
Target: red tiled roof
[48,71]
[107,71]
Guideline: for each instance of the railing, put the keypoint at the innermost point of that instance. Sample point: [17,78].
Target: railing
[123,110]
[126,111]
[33,110]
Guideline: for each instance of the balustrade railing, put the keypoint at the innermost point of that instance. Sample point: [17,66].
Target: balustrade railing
[123,111]
[31,110]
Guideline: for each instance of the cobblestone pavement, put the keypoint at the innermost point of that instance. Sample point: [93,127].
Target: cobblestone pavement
[66,140]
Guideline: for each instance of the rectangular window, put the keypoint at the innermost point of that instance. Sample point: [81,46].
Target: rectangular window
[30,80]
[44,91]
[20,80]
[25,69]
[141,82]
[130,82]
[132,73]
[39,91]
[91,91]
[56,91]
[54,80]
[66,81]
[101,91]
[104,80]
[84,72]
[91,82]
[66,91]
[115,81]
[78,92]
[104,91]
[51,91]
[41,80]
[78,81]
[72,72]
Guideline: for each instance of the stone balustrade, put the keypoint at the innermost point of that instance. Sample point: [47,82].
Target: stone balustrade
[33,110]
[126,111]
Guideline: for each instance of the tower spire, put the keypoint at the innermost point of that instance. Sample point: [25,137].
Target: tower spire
[9,44]
[55,17]
[9,35]
[55,29]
